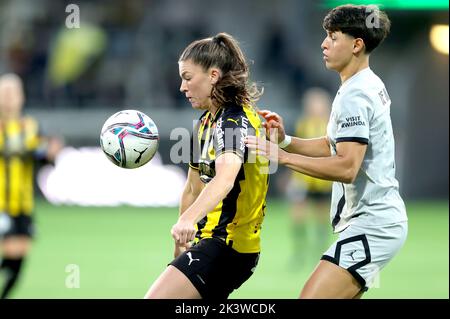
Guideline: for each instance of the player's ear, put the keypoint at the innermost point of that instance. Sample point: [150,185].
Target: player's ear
[214,75]
[358,45]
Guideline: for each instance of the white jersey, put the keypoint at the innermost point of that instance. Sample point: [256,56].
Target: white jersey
[361,113]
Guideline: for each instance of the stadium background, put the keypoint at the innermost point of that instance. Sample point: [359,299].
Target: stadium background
[125,56]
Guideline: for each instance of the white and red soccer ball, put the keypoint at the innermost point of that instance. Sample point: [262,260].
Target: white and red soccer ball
[129,138]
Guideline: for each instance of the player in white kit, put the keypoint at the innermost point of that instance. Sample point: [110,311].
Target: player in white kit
[357,154]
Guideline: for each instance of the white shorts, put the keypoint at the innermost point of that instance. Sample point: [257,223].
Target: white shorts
[365,250]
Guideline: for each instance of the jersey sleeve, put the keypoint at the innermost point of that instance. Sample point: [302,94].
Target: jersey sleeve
[353,119]
[230,134]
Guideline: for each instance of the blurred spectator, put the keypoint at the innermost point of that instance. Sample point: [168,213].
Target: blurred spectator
[73,53]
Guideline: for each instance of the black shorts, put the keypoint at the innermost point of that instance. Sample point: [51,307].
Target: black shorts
[21,225]
[214,268]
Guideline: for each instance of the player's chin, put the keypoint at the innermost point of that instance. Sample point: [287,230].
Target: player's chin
[328,65]
[199,106]
[195,105]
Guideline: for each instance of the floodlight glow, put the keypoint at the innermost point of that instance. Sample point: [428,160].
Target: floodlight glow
[439,38]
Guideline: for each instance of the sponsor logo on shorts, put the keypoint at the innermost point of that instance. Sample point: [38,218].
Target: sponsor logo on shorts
[191,260]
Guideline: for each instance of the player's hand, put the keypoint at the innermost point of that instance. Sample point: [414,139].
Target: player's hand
[183,232]
[179,249]
[55,145]
[265,148]
[274,126]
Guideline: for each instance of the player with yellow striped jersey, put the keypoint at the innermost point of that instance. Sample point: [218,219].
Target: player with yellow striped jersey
[223,204]
[237,218]
[314,124]
[21,145]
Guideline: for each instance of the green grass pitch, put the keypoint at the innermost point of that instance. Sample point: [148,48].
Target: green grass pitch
[120,251]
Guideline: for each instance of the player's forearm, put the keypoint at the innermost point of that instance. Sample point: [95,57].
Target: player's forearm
[209,198]
[334,168]
[187,199]
[315,147]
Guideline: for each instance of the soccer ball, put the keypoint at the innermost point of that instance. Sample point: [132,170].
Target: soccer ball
[129,138]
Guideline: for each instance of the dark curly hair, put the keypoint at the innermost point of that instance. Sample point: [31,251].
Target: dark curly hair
[223,51]
[366,22]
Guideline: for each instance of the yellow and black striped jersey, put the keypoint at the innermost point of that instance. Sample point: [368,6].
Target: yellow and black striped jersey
[312,127]
[238,217]
[19,147]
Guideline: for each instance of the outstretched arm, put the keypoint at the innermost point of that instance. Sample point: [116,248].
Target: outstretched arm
[314,147]
[342,167]
[227,168]
[190,193]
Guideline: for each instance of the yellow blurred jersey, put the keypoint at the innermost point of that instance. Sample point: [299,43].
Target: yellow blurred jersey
[19,141]
[312,127]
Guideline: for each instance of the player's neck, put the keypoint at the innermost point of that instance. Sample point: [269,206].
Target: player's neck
[213,109]
[353,67]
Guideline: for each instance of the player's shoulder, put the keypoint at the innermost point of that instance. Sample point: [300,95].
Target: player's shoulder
[243,117]
[233,115]
[366,85]
[233,111]
[357,95]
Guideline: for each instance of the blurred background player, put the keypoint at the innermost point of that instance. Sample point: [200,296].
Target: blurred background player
[223,204]
[21,146]
[309,196]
